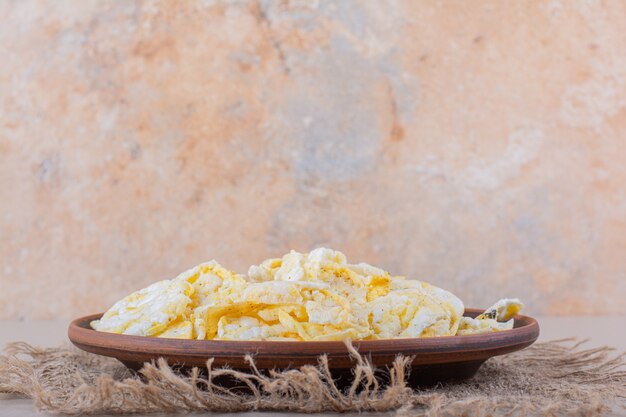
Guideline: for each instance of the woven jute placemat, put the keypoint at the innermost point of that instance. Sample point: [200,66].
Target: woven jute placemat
[554,378]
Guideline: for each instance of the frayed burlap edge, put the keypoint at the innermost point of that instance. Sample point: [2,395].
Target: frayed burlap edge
[553,378]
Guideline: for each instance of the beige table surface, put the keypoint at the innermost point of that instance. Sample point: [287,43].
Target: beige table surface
[601,331]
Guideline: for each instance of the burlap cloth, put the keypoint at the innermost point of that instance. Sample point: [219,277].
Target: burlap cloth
[554,378]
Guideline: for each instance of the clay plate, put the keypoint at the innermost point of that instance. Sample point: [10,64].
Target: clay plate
[436,359]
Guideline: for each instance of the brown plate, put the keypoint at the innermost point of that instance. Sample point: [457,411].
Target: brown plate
[436,359]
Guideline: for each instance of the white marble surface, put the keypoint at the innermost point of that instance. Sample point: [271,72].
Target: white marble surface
[478,145]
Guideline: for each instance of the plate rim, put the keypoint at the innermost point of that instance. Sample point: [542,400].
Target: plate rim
[483,345]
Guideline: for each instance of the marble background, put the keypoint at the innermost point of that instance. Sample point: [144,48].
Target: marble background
[478,145]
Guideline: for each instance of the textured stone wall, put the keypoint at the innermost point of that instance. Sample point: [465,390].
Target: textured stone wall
[478,145]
